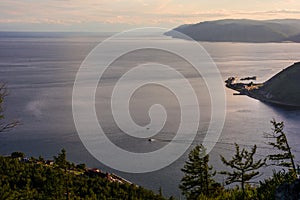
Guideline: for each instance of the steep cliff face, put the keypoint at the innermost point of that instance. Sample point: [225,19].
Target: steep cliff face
[283,88]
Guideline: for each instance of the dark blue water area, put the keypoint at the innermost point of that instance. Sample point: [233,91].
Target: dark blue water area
[39,71]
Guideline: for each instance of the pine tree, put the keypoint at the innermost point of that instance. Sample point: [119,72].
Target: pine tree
[285,158]
[198,174]
[4,126]
[243,165]
[61,160]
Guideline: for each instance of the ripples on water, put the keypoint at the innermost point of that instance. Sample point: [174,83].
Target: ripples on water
[40,72]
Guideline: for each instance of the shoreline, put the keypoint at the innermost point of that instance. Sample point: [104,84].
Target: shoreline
[252,90]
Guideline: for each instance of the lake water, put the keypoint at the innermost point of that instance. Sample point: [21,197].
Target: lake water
[39,70]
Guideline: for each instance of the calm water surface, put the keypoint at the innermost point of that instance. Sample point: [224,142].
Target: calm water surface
[40,73]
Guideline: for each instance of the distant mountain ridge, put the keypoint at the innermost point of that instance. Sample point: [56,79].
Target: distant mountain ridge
[241,30]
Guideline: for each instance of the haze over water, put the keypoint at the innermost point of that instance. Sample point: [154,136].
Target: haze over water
[40,71]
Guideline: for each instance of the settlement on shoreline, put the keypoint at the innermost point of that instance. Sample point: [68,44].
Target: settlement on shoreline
[282,89]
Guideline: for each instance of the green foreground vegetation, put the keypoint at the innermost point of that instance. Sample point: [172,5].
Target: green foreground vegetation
[36,178]
[198,182]
[22,178]
[32,178]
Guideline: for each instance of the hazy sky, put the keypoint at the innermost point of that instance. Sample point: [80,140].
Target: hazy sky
[117,15]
